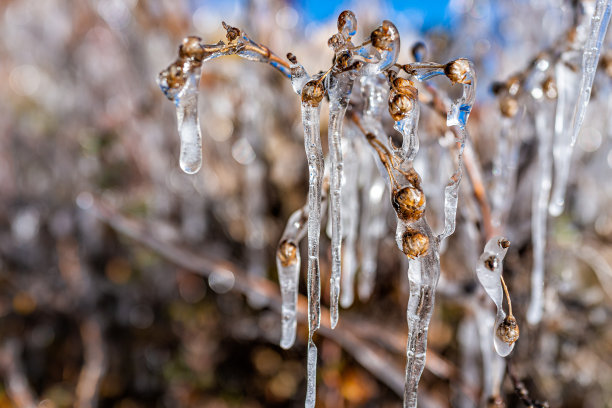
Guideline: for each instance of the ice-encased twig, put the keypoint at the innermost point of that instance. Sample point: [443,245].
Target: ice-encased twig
[489,273]
[339,87]
[539,211]
[186,102]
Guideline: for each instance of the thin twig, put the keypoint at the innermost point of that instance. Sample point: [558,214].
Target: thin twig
[520,389]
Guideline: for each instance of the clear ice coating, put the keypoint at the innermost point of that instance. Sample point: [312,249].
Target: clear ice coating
[408,128]
[462,71]
[505,165]
[539,212]
[311,380]
[288,265]
[381,51]
[489,271]
[186,102]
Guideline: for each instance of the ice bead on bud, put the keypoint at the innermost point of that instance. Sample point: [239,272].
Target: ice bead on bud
[191,48]
[386,43]
[347,23]
[506,334]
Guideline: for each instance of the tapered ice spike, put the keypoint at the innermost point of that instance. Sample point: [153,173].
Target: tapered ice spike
[186,103]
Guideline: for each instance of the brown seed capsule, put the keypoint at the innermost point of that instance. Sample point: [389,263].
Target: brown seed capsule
[549,86]
[504,243]
[409,203]
[191,48]
[312,93]
[400,105]
[287,253]
[174,75]
[414,243]
[491,263]
[232,32]
[459,71]
[403,85]
[508,330]
[508,106]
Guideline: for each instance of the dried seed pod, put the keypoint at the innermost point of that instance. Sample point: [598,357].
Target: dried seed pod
[409,203]
[191,48]
[508,106]
[400,105]
[508,330]
[347,23]
[504,243]
[287,253]
[458,71]
[232,32]
[174,76]
[414,243]
[404,85]
[313,92]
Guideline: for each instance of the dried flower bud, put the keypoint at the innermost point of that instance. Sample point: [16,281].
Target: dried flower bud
[232,32]
[514,85]
[312,93]
[508,330]
[336,41]
[347,23]
[287,253]
[491,263]
[342,59]
[400,105]
[409,203]
[508,106]
[173,75]
[459,71]
[191,48]
[292,59]
[403,84]
[414,243]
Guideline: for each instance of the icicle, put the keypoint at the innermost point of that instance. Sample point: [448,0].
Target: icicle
[372,227]
[505,166]
[312,94]
[489,272]
[350,213]
[339,88]
[590,57]
[186,103]
[288,265]
[541,193]
[566,78]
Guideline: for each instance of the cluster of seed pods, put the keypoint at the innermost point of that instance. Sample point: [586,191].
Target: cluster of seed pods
[383,81]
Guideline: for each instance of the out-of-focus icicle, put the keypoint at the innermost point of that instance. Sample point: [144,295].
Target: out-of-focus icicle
[566,78]
[539,210]
[489,272]
[312,94]
[590,58]
[573,101]
[350,211]
[372,227]
[288,262]
[505,166]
